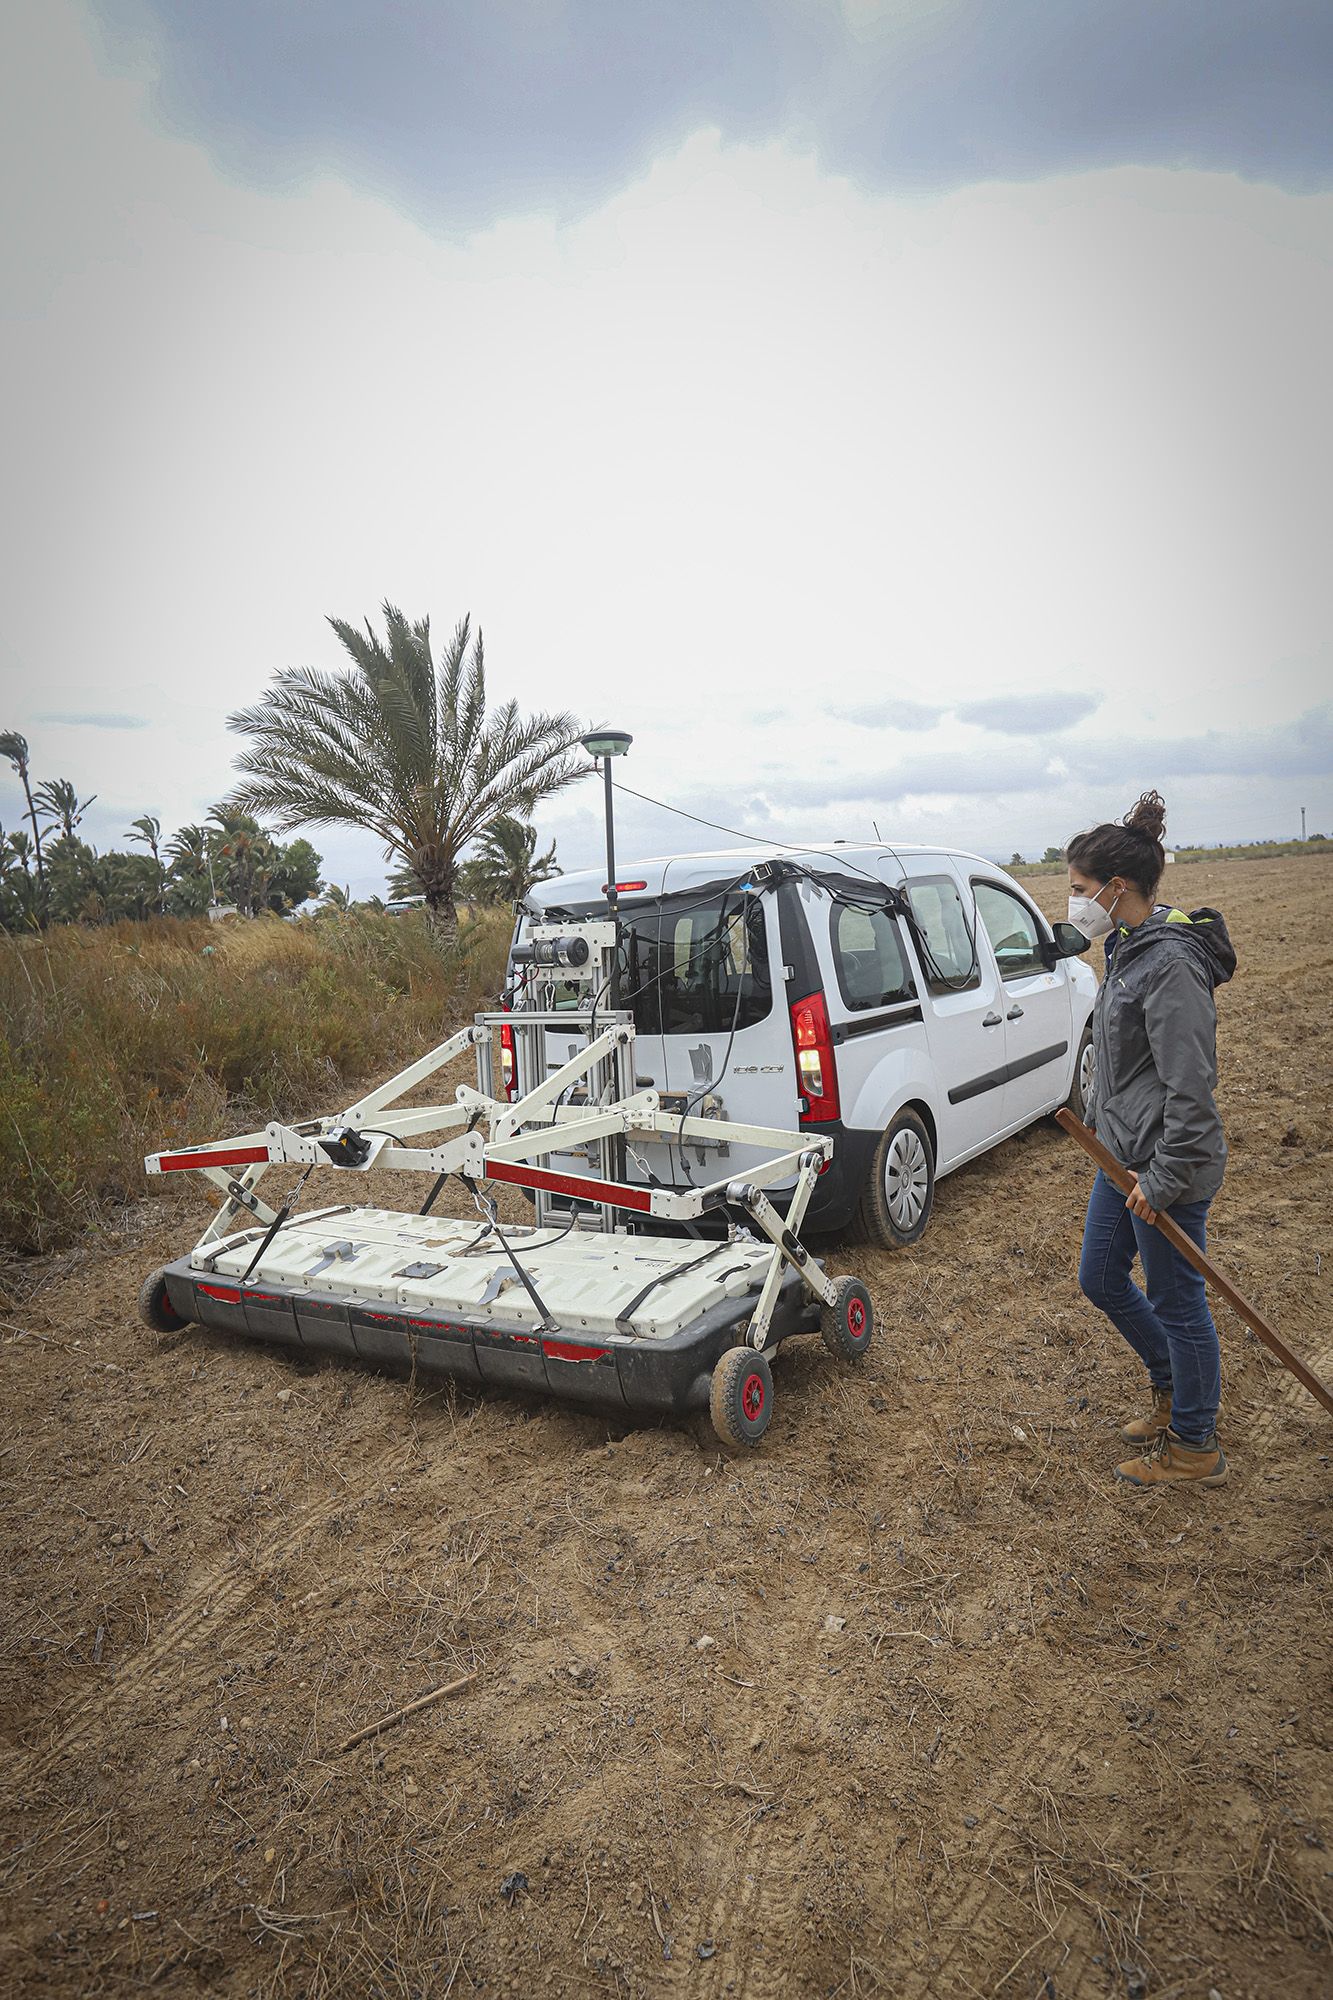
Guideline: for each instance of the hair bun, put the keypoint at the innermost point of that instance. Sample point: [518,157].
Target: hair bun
[1148,817]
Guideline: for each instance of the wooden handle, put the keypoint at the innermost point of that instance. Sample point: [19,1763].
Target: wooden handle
[1176,1237]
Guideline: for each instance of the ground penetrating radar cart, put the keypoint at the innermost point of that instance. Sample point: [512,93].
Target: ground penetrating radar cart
[600,1299]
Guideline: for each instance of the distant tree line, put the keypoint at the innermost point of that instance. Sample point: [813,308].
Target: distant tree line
[50,874]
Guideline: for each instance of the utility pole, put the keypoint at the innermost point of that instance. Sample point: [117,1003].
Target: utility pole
[1302,822]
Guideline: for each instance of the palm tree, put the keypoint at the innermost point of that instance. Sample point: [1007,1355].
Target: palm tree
[403,746]
[405,884]
[62,804]
[506,864]
[251,857]
[15,748]
[147,830]
[190,853]
[20,846]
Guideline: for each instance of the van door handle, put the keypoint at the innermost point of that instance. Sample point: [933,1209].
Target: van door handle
[991,1020]
[1015,1013]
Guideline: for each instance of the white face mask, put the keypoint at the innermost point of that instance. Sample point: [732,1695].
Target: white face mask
[1087,915]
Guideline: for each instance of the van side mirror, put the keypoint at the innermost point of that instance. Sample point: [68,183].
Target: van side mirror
[1067,942]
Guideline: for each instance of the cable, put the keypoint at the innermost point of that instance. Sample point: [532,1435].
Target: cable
[759,840]
[718,1080]
[933,968]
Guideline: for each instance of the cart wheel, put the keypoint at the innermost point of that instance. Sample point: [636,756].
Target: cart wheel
[741,1398]
[155,1308]
[847,1327]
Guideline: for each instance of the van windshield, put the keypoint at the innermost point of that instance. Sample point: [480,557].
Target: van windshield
[690,966]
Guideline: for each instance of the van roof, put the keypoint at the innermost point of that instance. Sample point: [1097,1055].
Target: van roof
[585,884]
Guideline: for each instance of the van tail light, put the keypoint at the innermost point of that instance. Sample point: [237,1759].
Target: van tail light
[816,1071]
[508,1066]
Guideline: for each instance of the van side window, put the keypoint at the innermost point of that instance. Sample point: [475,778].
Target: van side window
[1012,930]
[938,909]
[868,954]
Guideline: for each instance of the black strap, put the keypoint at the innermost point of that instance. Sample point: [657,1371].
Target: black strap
[429,1203]
[277,1223]
[523,1277]
[624,1318]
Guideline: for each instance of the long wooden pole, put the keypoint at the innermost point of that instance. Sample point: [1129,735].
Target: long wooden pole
[1178,1240]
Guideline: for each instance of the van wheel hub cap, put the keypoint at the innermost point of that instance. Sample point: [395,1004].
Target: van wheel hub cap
[906,1179]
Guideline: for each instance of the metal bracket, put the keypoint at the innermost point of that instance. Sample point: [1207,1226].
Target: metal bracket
[787,1246]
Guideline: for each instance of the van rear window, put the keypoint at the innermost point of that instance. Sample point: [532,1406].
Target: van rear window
[938,909]
[697,968]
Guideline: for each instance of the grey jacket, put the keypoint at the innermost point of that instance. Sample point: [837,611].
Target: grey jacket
[1154,1034]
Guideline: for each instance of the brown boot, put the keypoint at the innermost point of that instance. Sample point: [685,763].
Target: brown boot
[1172,1462]
[1146,1430]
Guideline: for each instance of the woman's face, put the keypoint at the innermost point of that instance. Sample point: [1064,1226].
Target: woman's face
[1081,884]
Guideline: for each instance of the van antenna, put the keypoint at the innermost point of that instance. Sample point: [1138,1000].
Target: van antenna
[878,835]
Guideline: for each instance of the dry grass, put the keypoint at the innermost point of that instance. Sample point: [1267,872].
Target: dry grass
[115,1042]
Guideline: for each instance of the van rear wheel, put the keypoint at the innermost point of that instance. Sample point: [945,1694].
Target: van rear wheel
[899,1192]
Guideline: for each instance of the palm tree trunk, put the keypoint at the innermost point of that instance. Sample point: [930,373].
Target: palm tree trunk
[36,830]
[442,915]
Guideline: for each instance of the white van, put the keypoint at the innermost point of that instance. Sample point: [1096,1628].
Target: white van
[912,1001]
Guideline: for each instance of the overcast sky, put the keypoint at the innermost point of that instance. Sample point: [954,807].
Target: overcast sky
[912,411]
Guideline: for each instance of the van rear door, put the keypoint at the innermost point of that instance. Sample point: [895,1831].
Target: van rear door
[720,1006]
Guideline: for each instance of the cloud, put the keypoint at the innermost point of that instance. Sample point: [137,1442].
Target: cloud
[465,113]
[1301,748]
[944,772]
[1297,749]
[890,714]
[96,720]
[1029,714]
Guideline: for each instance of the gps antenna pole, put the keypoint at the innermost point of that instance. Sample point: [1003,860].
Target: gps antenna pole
[1178,1240]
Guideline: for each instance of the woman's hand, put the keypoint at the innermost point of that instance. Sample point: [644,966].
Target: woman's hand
[1137,1202]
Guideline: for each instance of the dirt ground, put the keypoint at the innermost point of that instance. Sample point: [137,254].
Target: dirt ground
[911,1701]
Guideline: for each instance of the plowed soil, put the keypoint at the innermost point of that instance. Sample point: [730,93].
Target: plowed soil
[911,1701]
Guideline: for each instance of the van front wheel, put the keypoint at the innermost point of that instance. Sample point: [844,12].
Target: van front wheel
[1085,1072]
[896,1201]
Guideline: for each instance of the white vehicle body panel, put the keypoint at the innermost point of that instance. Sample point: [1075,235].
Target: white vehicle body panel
[980,1063]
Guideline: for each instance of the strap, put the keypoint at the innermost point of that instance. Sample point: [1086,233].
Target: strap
[624,1318]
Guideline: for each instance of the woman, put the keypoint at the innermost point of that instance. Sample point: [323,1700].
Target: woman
[1154,1035]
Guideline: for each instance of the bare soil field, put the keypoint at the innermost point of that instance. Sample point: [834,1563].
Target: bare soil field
[911,1701]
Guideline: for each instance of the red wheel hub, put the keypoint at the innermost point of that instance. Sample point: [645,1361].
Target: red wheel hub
[752,1397]
[856,1317]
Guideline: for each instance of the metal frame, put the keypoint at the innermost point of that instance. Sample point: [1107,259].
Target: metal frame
[519,1135]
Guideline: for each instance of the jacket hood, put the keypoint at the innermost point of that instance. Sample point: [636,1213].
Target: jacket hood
[1202,931]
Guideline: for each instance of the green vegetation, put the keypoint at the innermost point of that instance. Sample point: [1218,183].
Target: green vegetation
[506,864]
[402,747]
[52,876]
[121,1039]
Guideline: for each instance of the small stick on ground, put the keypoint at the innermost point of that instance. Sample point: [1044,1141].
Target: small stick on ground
[400,1714]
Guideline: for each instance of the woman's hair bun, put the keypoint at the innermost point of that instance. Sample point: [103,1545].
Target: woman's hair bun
[1148,816]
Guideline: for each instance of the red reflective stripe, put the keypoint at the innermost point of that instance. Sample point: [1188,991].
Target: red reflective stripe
[218,1156]
[571,1350]
[610,1192]
[227,1293]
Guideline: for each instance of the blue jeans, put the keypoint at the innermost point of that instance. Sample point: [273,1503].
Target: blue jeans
[1171,1329]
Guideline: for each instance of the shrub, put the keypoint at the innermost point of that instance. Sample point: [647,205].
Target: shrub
[121,1040]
